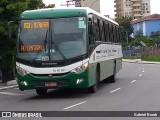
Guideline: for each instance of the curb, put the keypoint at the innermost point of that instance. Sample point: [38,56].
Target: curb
[10,84]
[8,87]
[140,62]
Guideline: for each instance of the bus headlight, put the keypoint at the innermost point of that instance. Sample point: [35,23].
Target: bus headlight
[22,71]
[81,68]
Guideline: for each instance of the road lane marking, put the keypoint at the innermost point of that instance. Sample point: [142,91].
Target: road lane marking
[140,75]
[143,70]
[115,90]
[133,81]
[8,93]
[74,105]
[16,88]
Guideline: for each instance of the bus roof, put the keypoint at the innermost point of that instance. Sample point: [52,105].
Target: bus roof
[61,12]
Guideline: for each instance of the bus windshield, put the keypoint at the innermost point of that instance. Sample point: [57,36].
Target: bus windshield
[52,39]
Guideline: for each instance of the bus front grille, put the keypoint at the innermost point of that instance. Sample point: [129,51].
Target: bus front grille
[45,75]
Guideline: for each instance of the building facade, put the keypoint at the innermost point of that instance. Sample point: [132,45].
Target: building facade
[93,4]
[133,8]
[147,24]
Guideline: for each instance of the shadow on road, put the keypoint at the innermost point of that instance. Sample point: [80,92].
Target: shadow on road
[71,93]
[61,93]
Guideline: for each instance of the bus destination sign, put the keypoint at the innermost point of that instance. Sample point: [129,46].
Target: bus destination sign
[30,25]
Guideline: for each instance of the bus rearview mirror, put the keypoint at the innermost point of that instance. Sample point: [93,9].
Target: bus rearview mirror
[10,31]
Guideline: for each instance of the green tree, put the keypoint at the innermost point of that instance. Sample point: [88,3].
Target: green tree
[10,10]
[127,29]
[125,22]
[139,37]
[156,36]
[50,6]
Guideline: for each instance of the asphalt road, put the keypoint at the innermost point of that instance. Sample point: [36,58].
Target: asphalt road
[136,89]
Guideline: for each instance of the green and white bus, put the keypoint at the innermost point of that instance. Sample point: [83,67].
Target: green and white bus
[66,48]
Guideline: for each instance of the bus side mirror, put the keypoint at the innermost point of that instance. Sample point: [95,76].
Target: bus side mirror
[10,29]
[124,34]
[10,33]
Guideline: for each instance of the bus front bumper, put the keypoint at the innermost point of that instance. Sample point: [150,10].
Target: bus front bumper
[68,80]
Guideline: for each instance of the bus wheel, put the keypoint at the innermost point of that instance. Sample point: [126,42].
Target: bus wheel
[41,91]
[94,87]
[112,79]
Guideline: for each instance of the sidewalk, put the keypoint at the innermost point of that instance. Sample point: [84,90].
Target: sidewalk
[139,61]
[9,84]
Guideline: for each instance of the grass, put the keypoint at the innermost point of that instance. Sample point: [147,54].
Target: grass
[155,58]
[131,57]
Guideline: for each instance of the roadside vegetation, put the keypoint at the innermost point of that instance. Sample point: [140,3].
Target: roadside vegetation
[10,10]
[155,58]
[132,46]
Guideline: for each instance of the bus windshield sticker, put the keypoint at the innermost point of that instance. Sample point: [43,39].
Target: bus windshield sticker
[80,18]
[81,24]
[45,58]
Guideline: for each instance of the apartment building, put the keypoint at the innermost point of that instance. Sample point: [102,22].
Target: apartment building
[93,4]
[134,8]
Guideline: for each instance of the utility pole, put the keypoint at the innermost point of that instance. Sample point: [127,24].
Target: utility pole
[68,3]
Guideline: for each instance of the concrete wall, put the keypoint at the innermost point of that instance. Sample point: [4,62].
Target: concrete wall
[152,26]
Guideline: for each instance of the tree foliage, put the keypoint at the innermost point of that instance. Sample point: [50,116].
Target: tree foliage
[50,6]
[156,36]
[149,41]
[127,29]
[10,10]
[125,22]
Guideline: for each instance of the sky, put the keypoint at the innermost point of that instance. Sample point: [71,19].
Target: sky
[107,6]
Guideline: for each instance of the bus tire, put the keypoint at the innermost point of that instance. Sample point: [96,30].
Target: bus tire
[112,79]
[41,91]
[106,80]
[94,88]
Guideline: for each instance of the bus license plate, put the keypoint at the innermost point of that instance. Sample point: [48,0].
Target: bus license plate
[50,84]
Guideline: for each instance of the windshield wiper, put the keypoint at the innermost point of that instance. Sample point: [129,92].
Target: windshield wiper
[44,43]
[57,48]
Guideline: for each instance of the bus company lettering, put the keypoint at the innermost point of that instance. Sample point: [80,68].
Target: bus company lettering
[26,48]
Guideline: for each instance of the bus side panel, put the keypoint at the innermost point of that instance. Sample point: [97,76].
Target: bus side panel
[107,68]
[118,64]
[92,74]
